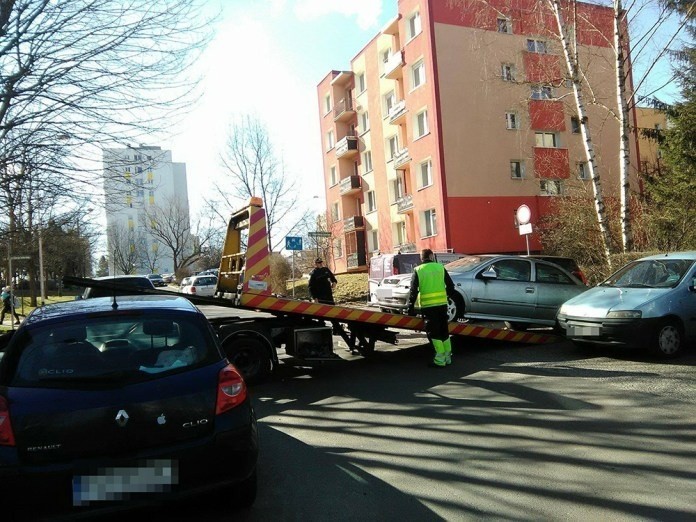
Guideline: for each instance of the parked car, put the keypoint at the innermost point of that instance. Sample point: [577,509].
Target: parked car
[516,289]
[649,303]
[567,263]
[184,282]
[156,279]
[200,285]
[104,406]
[384,266]
[130,281]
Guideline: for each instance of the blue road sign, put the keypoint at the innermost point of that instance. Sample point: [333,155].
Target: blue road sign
[293,243]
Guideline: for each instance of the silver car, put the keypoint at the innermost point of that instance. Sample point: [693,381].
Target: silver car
[648,303]
[520,290]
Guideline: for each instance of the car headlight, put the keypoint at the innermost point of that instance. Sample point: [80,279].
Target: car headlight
[562,310]
[625,314]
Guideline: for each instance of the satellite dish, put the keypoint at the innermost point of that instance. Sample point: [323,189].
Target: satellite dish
[523,214]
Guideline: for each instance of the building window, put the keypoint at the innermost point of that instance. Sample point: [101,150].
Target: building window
[333,178]
[400,233]
[152,197]
[327,104]
[421,124]
[330,140]
[397,189]
[367,161]
[426,174]
[551,187]
[417,74]
[388,101]
[364,122]
[516,169]
[392,147]
[575,124]
[508,72]
[504,25]
[150,178]
[546,139]
[542,92]
[371,201]
[335,216]
[129,200]
[512,121]
[414,25]
[583,170]
[337,248]
[373,241]
[361,82]
[536,46]
[429,223]
[384,55]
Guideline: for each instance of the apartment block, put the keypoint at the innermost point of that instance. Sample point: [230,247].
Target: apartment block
[141,184]
[452,117]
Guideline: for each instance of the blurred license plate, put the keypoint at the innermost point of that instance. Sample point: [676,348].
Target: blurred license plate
[383,293]
[584,331]
[118,483]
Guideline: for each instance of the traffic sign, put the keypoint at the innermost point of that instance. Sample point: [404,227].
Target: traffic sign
[293,243]
[523,214]
[319,234]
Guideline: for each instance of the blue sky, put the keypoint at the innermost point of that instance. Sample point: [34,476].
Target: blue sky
[266,59]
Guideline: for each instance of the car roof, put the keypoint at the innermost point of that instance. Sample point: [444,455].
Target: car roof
[105,304]
[687,254]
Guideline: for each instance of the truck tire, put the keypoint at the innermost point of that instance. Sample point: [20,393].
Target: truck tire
[250,356]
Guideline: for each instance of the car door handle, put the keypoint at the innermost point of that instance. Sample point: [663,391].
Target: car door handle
[529,289]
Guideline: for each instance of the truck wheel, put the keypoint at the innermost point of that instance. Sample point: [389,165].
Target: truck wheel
[668,339]
[250,356]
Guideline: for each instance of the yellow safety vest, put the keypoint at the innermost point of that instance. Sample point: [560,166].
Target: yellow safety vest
[431,285]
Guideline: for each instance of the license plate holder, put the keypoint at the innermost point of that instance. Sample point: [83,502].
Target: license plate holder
[119,482]
[584,331]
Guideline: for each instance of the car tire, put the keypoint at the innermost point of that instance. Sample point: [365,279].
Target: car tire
[668,339]
[250,356]
[455,308]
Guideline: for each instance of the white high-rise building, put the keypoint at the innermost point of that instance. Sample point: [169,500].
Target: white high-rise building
[142,187]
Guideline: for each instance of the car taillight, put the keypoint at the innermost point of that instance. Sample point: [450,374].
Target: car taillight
[232,390]
[193,289]
[396,270]
[6,433]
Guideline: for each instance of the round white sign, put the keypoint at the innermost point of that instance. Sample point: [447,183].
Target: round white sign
[523,214]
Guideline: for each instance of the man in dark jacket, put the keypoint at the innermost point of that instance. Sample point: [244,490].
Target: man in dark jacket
[430,285]
[321,283]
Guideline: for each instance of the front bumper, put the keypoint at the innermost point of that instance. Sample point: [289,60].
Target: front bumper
[620,332]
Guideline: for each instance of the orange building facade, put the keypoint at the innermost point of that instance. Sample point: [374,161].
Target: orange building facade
[451,118]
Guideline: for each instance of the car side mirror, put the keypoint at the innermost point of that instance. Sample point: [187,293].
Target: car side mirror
[489,273]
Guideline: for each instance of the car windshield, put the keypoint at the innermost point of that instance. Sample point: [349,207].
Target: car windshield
[112,349]
[466,263]
[650,273]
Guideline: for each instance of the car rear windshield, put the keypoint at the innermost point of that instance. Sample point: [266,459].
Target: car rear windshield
[650,273]
[112,350]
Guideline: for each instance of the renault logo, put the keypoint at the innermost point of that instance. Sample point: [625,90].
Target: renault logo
[122,418]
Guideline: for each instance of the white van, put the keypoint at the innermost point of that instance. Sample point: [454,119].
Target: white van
[386,265]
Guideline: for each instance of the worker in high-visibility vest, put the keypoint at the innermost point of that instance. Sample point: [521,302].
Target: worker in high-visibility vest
[430,284]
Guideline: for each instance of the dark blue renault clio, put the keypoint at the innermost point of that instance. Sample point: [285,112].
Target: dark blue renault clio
[113,402]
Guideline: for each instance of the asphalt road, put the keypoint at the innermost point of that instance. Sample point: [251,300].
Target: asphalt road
[507,432]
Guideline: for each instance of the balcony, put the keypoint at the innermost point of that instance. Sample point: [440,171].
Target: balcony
[347,147]
[401,158]
[344,110]
[349,185]
[404,204]
[393,67]
[353,223]
[356,261]
[397,114]
[551,163]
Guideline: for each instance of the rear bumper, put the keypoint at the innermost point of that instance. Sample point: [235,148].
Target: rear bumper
[620,332]
[224,458]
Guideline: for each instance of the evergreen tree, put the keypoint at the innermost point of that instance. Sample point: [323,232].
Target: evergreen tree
[103,267]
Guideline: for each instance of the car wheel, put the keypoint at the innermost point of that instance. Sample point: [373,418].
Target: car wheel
[455,308]
[668,338]
[250,356]
[519,327]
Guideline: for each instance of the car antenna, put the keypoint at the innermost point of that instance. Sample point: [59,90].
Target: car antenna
[114,304]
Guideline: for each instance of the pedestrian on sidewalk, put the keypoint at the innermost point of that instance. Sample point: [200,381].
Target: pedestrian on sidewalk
[8,305]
